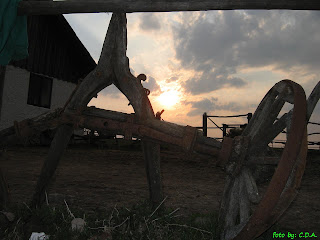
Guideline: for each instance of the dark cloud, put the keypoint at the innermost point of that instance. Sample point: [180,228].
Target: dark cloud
[149,21]
[286,40]
[218,43]
[210,105]
[152,85]
[210,81]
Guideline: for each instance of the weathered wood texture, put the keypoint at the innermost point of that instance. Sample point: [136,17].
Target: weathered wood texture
[95,81]
[4,191]
[2,76]
[264,117]
[287,177]
[151,152]
[132,88]
[105,120]
[241,190]
[62,7]
[293,184]
[280,124]
[235,205]
[113,67]
[251,186]
[50,165]
[313,100]
[152,129]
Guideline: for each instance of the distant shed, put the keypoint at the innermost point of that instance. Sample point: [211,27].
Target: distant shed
[57,61]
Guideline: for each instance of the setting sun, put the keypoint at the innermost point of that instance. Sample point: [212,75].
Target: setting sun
[169,98]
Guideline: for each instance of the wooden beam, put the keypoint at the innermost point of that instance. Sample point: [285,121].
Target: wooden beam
[129,6]
[4,191]
[132,88]
[56,151]
[2,77]
[93,83]
[104,120]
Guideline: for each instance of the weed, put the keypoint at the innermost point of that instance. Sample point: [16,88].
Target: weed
[141,221]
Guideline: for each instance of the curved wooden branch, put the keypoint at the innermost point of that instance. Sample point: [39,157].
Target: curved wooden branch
[113,67]
[102,76]
[94,82]
[132,88]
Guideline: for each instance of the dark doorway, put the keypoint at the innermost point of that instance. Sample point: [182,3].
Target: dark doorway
[40,88]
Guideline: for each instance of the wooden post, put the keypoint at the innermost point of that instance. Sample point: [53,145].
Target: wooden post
[151,153]
[204,124]
[249,117]
[95,81]
[224,130]
[57,149]
[132,88]
[113,67]
[4,191]
[2,77]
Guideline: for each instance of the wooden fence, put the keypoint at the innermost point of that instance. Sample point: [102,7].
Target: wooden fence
[224,127]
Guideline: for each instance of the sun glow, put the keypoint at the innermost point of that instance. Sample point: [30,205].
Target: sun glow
[169,98]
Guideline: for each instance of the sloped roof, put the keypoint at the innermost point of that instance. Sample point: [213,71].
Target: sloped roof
[55,50]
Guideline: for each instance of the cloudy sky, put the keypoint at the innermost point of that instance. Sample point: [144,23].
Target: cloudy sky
[219,62]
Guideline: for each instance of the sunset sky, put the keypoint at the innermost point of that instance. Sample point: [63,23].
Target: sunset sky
[219,62]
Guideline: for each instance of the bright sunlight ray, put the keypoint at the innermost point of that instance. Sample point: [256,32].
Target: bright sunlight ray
[169,98]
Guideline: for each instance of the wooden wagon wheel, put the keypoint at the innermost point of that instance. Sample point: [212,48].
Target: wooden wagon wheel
[244,214]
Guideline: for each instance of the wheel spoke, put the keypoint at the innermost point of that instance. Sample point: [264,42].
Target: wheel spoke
[233,206]
[283,185]
[270,117]
[313,100]
[279,125]
[262,160]
[270,112]
[276,128]
[237,211]
[241,192]
[244,200]
[225,202]
[251,186]
[260,114]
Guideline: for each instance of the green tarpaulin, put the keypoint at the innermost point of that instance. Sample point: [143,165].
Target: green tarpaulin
[13,33]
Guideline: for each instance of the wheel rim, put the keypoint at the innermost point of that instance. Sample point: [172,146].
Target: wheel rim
[241,190]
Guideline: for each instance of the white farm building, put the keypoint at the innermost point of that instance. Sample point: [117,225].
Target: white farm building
[44,81]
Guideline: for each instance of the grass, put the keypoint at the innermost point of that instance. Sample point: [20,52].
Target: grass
[141,221]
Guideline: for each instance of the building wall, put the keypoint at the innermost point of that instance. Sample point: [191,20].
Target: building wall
[15,95]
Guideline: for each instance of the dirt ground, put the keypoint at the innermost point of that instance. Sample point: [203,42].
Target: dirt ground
[93,179]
